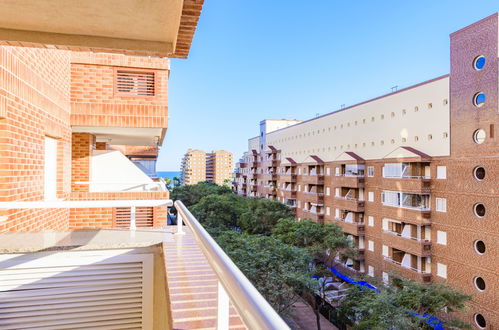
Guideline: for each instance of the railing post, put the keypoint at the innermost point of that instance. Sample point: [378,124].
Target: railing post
[223,308]
[133,225]
[180,229]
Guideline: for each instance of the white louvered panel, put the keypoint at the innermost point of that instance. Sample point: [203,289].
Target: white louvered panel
[76,290]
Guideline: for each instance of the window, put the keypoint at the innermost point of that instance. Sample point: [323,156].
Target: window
[328,169]
[299,204]
[385,251]
[479,99]
[479,246]
[370,171]
[370,271]
[441,172]
[479,283]
[328,211]
[479,173]
[370,245]
[386,278]
[479,210]
[370,221]
[480,321]
[135,83]
[337,192]
[479,62]
[441,270]
[50,169]
[390,198]
[445,102]
[441,237]
[441,204]
[370,196]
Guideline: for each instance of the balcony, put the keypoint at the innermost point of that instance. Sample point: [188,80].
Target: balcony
[391,265]
[317,216]
[288,177]
[415,184]
[289,193]
[253,175]
[352,228]
[349,203]
[155,273]
[418,247]
[242,165]
[344,269]
[269,189]
[416,216]
[317,179]
[253,187]
[312,197]
[349,180]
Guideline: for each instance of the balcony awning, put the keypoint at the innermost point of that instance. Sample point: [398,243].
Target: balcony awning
[349,156]
[134,27]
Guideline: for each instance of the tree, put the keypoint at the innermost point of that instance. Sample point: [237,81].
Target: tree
[262,215]
[394,306]
[168,183]
[322,241]
[276,269]
[219,212]
[176,181]
[192,194]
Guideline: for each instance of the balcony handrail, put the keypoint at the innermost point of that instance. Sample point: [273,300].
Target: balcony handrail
[412,238]
[349,198]
[255,311]
[159,186]
[406,176]
[424,208]
[407,267]
[350,175]
[352,222]
[314,193]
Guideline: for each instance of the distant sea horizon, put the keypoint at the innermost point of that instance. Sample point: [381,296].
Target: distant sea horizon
[168,174]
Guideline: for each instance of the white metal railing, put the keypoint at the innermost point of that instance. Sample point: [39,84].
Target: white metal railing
[406,237]
[406,176]
[255,311]
[357,175]
[132,204]
[352,222]
[404,266]
[104,186]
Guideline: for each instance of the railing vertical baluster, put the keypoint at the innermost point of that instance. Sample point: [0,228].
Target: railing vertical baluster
[223,308]
[133,225]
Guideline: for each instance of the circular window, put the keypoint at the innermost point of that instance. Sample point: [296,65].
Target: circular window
[479,247]
[479,99]
[480,321]
[479,173]
[479,210]
[479,62]
[479,136]
[479,283]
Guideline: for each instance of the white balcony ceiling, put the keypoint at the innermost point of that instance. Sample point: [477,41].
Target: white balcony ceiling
[124,135]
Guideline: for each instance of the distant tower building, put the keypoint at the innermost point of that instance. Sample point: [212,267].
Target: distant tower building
[219,166]
[193,167]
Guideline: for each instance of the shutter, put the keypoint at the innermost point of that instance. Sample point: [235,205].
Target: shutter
[74,290]
[135,83]
[144,216]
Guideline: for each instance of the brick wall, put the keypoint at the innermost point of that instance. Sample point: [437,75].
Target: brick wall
[34,96]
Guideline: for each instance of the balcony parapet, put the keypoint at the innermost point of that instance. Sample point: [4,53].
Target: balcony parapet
[317,179]
[312,197]
[410,245]
[349,203]
[407,272]
[352,228]
[314,215]
[415,216]
[349,180]
[286,177]
[413,184]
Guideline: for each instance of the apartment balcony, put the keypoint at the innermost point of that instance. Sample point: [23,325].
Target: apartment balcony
[352,228]
[272,176]
[312,197]
[254,175]
[390,265]
[316,179]
[238,175]
[242,165]
[349,203]
[410,245]
[344,269]
[413,184]
[253,187]
[314,215]
[349,181]
[289,193]
[287,177]
[416,216]
[174,277]
[271,190]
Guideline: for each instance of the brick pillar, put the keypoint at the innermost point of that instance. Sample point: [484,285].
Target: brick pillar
[81,151]
[100,146]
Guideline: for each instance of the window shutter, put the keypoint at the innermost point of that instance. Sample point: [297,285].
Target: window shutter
[135,83]
[144,217]
[72,290]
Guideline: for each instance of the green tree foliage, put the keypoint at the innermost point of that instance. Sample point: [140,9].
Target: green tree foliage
[192,194]
[276,269]
[168,183]
[219,212]
[262,215]
[315,237]
[391,308]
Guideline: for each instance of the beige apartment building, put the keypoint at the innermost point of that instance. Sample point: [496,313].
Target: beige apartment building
[198,166]
[411,177]
[219,166]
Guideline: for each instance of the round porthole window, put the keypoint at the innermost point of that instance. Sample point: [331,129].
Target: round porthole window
[479,99]
[479,210]
[479,283]
[479,173]
[480,321]
[479,62]
[479,247]
[479,136]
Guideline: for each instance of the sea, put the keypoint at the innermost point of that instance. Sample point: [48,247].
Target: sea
[168,174]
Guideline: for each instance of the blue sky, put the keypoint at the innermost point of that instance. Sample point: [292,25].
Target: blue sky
[258,59]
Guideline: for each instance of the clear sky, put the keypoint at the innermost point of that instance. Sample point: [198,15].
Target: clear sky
[257,59]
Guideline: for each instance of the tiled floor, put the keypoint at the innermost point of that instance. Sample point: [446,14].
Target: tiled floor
[192,286]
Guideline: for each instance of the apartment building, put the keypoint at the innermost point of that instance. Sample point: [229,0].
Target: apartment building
[219,166]
[193,168]
[411,177]
[198,166]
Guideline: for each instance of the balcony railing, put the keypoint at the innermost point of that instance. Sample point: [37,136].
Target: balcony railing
[255,311]
[353,175]
[419,271]
[102,186]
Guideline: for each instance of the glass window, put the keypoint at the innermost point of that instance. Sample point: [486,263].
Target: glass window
[479,136]
[479,99]
[441,172]
[479,62]
[370,171]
